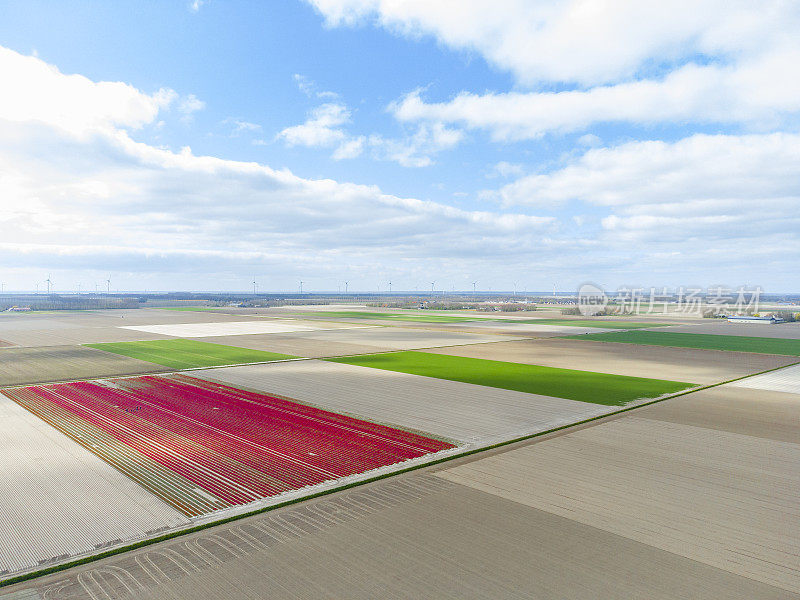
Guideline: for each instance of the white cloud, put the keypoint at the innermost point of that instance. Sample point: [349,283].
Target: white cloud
[324,128]
[304,84]
[351,148]
[139,199]
[240,126]
[615,61]
[504,169]
[309,88]
[37,91]
[758,95]
[321,129]
[416,149]
[588,43]
[190,105]
[715,197]
[93,198]
[590,140]
[77,193]
[686,174]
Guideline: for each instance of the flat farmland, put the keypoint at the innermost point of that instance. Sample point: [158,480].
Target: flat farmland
[584,386]
[232,446]
[413,317]
[398,338]
[185,354]
[784,380]
[760,413]
[415,536]
[527,328]
[74,336]
[709,495]
[721,327]
[449,409]
[317,344]
[57,363]
[660,362]
[253,326]
[59,499]
[734,343]
[598,323]
[296,345]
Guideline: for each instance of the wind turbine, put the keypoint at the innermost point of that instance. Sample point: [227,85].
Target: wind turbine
[301,288]
[390,287]
[108,285]
[473,287]
[49,283]
[515,288]
[432,283]
[255,285]
[346,283]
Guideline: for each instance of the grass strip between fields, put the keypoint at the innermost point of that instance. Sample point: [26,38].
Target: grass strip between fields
[187,354]
[584,386]
[704,341]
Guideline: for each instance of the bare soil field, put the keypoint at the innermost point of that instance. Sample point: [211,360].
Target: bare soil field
[296,345]
[20,366]
[523,329]
[761,413]
[71,328]
[338,342]
[70,336]
[58,498]
[785,380]
[215,329]
[681,364]
[453,410]
[399,338]
[710,495]
[416,537]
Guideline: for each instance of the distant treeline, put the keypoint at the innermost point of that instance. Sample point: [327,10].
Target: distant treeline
[56,302]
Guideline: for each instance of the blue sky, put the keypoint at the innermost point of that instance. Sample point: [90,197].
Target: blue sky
[367,140]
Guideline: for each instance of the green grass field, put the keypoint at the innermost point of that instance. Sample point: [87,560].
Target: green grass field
[585,386]
[594,323]
[733,343]
[185,354]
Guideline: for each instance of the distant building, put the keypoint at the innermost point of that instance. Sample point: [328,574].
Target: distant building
[748,319]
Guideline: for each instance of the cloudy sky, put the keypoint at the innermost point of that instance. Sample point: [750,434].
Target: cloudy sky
[195,145]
